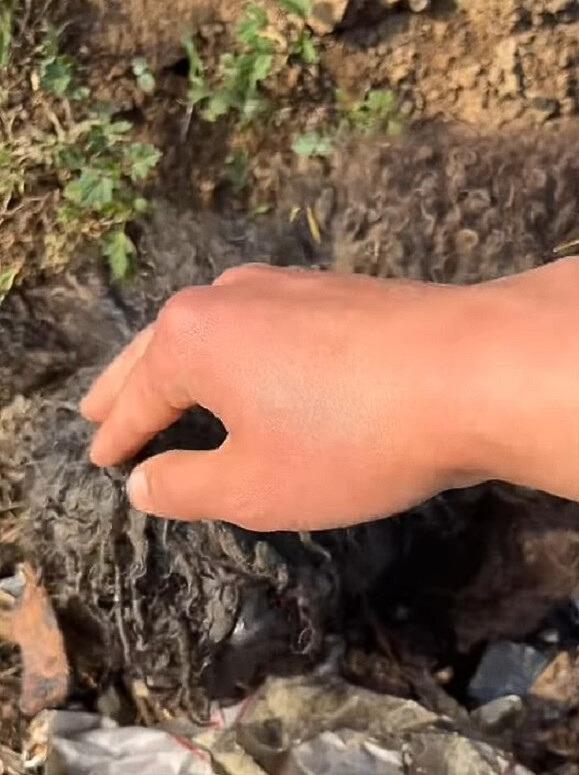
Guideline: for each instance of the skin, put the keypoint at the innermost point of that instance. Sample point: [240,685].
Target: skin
[345,397]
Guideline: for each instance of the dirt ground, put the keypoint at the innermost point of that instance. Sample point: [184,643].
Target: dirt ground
[483,181]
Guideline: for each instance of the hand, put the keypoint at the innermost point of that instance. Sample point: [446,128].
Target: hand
[332,390]
[344,398]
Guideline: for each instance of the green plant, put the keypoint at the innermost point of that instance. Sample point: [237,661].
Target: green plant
[7,277]
[239,73]
[375,111]
[235,88]
[236,166]
[97,169]
[6,20]
[197,87]
[312,144]
[145,79]
[260,209]
[305,47]
[71,171]
[118,249]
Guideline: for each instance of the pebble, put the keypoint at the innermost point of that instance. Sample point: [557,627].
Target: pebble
[497,715]
[506,668]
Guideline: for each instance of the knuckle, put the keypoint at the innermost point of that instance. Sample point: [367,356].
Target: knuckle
[186,317]
[241,273]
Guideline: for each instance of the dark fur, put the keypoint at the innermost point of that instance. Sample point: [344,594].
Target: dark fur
[161,600]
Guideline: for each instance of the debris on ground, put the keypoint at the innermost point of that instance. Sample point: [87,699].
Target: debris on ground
[506,668]
[27,619]
[300,726]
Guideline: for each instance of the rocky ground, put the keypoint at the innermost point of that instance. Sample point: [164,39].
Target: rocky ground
[468,598]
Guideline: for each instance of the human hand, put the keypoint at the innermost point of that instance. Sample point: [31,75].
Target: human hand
[332,390]
[344,398]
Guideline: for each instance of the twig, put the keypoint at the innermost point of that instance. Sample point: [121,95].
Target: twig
[12,506]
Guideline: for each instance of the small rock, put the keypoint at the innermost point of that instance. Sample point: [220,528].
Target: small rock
[546,106]
[550,636]
[568,106]
[559,681]
[419,5]
[506,668]
[498,715]
[326,14]
[109,703]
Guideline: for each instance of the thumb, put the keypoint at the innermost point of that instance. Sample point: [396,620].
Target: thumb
[180,485]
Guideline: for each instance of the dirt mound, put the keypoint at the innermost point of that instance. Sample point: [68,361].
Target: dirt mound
[488,64]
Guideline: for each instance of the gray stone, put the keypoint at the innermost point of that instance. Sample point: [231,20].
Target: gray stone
[506,668]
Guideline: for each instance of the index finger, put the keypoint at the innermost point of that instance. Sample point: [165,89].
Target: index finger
[99,400]
[154,394]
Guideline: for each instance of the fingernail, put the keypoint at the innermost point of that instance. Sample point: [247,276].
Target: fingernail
[138,489]
[84,407]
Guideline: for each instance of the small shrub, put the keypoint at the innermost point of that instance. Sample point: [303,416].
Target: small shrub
[374,112]
[144,77]
[72,155]
[312,144]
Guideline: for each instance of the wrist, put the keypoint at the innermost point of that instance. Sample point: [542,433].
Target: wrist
[517,400]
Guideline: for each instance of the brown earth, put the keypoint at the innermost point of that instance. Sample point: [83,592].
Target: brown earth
[484,182]
[512,64]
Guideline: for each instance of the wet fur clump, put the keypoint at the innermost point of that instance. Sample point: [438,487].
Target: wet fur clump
[206,609]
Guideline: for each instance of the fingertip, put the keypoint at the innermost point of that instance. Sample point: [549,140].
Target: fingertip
[179,484]
[100,454]
[138,489]
[96,459]
[87,410]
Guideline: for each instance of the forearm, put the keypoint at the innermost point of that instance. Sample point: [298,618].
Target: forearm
[520,396]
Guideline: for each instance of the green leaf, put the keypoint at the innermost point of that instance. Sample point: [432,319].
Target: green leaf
[312,144]
[80,93]
[380,101]
[67,214]
[7,277]
[92,190]
[197,89]
[219,104]
[261,68]
[139,66]
[196,92]
[141,71]
[196,66]
[260,210]
[248,28]
[141,158]
[302,8]
[253,107]
[146,83]
[375,111]
[140,205]
[306,48]
[237,169]
[56,75]
[118,249]
[69,157]
[6,19]
[114,128]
